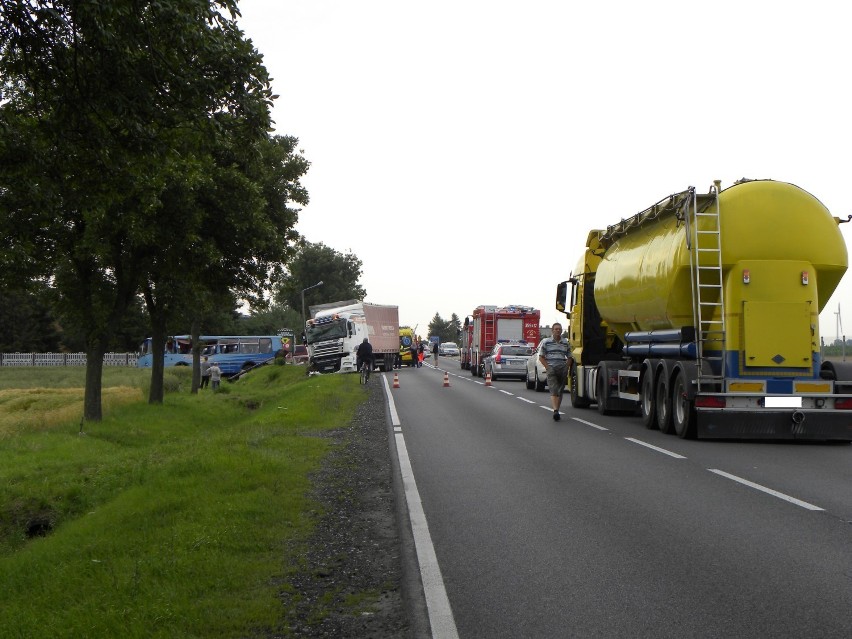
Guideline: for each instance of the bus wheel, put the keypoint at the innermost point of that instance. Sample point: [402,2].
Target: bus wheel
[683,408]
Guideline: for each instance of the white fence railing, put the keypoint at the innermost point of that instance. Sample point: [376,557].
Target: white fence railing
[64,359]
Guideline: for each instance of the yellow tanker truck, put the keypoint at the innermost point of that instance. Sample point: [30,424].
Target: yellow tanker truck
[701,313]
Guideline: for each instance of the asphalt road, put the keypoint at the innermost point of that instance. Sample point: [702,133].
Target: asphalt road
[596,527]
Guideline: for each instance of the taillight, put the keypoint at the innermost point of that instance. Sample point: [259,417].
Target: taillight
[497,358]
[709,401]
[843,404]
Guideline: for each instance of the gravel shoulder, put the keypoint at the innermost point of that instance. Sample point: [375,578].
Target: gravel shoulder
[359,577]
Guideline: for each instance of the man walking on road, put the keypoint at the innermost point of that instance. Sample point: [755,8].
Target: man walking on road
[555,354]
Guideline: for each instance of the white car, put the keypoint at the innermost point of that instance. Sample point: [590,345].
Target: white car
[448,349]
[536,375]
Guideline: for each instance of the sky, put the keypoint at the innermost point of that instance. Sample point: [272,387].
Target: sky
[463,150]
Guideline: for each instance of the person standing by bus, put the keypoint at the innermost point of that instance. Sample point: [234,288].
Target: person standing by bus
[215,376]
[205,372]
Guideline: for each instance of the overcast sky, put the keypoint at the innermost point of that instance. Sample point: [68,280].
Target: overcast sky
[463,150]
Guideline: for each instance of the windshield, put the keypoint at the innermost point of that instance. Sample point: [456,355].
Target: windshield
[330,330]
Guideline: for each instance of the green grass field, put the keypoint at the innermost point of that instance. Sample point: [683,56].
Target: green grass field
[179,520]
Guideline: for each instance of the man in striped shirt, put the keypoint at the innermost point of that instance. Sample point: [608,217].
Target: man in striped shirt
[554,355]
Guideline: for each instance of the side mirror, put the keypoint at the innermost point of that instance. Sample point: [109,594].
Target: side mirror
[561,296]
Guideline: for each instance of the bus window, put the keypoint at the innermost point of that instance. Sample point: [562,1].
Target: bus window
[265,345]
[248,347]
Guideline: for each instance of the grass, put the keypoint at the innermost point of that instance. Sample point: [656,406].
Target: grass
[180,520]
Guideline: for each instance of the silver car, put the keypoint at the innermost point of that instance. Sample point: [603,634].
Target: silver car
[508,359]
[448,349]
[536,374]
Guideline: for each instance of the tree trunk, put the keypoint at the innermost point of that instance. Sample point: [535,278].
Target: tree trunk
[158,347]
[196,355]
[95,349]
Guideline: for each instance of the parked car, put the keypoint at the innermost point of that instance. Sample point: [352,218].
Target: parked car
[448,349]
[536,375]
[508,359]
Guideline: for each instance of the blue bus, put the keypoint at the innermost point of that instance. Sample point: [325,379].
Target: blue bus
[232,353]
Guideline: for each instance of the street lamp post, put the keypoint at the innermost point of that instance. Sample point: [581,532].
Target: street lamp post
[303,303]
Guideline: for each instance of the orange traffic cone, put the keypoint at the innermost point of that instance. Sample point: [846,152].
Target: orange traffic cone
[396,380]
[446,379]
[488,379]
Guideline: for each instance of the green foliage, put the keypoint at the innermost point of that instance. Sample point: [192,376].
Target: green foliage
[173,520]
[136,155]
[448,331]
[338,272]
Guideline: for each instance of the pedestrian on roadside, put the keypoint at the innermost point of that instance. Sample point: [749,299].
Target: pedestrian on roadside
[205,372]
[414,356]
[420,353]
[555,357]
[435,353]
[215,376]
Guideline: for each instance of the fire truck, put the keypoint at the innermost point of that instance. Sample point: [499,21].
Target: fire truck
[489,325]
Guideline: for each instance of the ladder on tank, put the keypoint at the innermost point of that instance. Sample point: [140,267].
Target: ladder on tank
[708,295]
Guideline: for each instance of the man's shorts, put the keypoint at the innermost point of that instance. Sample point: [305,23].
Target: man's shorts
[556,378]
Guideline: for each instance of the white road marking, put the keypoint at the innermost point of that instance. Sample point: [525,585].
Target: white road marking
[768,491]
[507,393]
[583,421]
[657,448]
[391,405]
[437,603]
[528,401]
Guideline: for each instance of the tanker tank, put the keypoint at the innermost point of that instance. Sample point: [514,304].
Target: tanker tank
[643,280]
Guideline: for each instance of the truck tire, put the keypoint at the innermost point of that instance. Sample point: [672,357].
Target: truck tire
[601,393]
[683,408]
[647,401]
[576,400]
[664,405]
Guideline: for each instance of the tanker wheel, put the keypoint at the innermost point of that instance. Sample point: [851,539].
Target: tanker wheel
[664,405]
[576,400]
[683,408]
[647,402]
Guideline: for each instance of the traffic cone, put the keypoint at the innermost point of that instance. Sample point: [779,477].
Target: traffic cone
[446,379]
[488,379]
[396,380]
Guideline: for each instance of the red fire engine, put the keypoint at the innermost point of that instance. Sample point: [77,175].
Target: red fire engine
[491,324]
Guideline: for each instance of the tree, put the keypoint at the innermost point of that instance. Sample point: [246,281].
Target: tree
[27,323]
[107,128]
[338,272]
[447,331]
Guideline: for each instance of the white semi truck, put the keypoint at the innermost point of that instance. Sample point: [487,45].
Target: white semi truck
[335,330]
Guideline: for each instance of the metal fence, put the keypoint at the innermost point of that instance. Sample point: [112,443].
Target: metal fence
[64,359]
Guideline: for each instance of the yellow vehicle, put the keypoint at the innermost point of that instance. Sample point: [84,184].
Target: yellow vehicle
[406,339]
[702,314]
